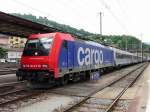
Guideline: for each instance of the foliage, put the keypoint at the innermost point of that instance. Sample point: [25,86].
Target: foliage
[3,52]
[119,41]
[45,21]
[114,40]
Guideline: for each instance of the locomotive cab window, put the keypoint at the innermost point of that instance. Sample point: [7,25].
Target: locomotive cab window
[38,47]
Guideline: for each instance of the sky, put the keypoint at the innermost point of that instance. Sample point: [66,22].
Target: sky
[129,17]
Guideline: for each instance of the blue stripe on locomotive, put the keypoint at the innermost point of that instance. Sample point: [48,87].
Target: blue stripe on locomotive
[78,53]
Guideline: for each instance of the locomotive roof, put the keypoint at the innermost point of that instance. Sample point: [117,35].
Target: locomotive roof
[93,43]
[62,35]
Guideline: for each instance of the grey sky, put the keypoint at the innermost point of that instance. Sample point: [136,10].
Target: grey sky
[130,17]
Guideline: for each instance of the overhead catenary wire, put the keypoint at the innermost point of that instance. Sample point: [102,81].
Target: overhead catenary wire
[47,15]
[81,5]
[74,9]
[113,15]
[124,13]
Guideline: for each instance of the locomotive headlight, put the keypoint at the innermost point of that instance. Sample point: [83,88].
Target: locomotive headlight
[23,66]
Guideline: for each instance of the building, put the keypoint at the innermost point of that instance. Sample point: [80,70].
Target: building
[4,41]
[14,46]
[17,42]
[12,41]
[14,54]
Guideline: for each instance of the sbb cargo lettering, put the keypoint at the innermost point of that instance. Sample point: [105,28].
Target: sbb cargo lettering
[89,56]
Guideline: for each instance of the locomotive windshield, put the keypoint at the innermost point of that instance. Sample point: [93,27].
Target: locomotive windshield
[38,47]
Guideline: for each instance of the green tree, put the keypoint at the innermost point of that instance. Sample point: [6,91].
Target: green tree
[45,21]
[3,52]
[115,40]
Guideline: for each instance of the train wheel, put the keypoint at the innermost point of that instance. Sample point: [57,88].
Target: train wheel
[87,75]
[76,78]
[83,77]
[62,81]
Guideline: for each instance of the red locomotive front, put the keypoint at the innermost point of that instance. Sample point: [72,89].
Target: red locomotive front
[39,61]
[35,62]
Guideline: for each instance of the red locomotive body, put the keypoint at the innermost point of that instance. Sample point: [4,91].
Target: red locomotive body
[40,56]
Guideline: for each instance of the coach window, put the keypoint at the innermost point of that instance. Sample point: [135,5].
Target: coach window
[118,55]
[65,44]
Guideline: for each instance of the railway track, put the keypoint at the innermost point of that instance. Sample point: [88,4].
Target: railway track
[80,90]
[8,68]
[5,87]
[20,94]
[88,102]
[16,95]
[7,71]
[8,65]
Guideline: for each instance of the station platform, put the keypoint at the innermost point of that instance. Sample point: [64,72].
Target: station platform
[141,97]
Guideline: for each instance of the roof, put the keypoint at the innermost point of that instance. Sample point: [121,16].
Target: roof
[16,26]
[56,34]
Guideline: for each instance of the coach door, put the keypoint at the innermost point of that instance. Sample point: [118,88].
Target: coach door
[70,57]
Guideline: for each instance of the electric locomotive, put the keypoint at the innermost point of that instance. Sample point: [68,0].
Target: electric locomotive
[58,57]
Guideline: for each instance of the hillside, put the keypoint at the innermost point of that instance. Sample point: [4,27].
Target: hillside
[45,21]
[119,41]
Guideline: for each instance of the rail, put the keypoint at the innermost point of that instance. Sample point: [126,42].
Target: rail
[71,108]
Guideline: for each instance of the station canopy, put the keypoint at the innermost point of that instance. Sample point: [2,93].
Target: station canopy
[16,26]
